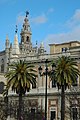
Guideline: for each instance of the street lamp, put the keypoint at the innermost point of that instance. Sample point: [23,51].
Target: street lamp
[46,73]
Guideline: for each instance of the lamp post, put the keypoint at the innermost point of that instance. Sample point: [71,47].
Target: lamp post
[46,73]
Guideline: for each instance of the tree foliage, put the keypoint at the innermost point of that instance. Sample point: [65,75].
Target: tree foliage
[66,73]
[20,75]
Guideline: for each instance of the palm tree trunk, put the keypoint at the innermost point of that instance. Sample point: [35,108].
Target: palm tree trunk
[62,102]
[20,106]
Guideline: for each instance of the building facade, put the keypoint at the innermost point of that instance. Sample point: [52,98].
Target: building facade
[37,55]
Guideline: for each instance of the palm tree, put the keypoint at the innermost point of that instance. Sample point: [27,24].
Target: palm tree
[19,77]
[66,73]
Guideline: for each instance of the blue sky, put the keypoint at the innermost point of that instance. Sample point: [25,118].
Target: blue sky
[51,21]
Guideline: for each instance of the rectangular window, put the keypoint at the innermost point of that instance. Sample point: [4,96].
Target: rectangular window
[74,113]
[53,83]
[33,111]
[2,68]
[53,115]
[64,49]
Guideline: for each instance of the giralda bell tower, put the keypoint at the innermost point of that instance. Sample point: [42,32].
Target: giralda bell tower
[26,44]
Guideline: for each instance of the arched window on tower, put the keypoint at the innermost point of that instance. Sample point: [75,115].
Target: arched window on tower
[2,66]
[25,27]
[22,39]
[27,39]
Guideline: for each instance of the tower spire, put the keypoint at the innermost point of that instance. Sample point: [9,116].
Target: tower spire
[7,41]
[15,48]
[16,29]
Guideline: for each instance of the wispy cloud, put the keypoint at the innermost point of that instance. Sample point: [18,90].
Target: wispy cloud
[7,1]
[73,34]
[39,19]
[74,20]
[43,18]
[62,37]
[50,10]
[20,19]
[36,20]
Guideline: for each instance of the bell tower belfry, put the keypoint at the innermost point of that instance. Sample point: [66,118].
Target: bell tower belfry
[26,35]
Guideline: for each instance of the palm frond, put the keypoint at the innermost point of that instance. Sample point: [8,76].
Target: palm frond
[20,75]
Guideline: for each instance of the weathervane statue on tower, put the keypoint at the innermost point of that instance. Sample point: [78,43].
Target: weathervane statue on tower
[27,13]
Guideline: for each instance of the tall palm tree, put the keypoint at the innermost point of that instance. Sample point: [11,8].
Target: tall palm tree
[19,77]
[66,73]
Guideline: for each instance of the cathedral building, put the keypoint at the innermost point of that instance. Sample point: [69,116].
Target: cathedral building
[37,55]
